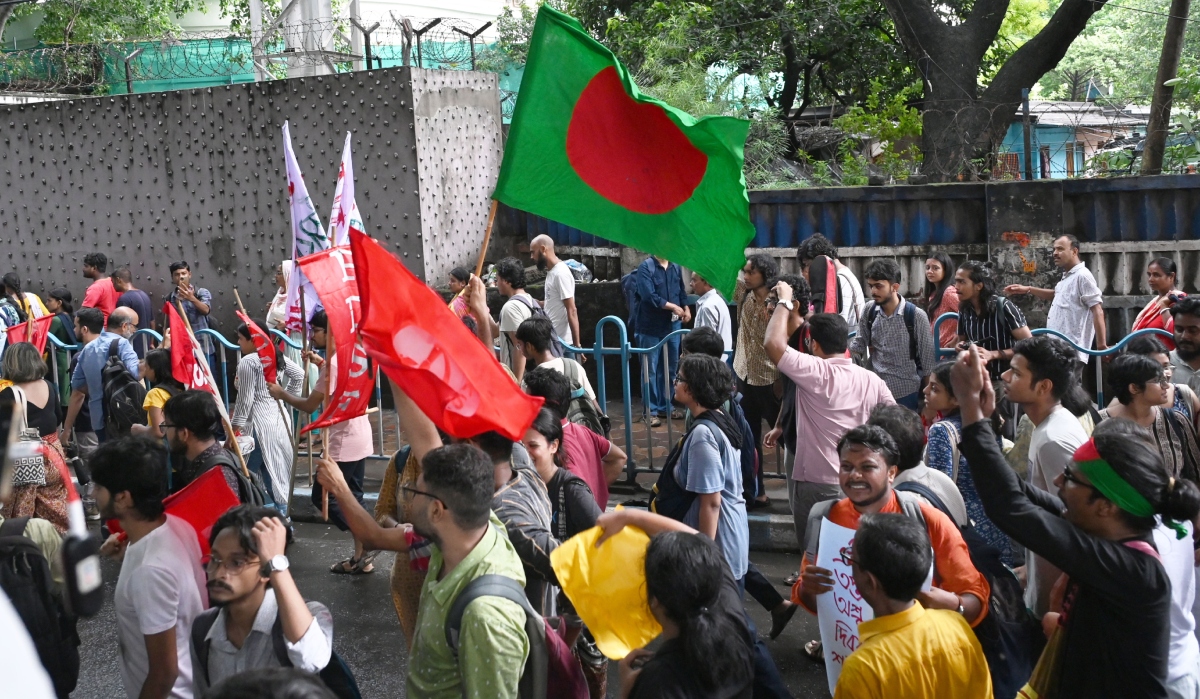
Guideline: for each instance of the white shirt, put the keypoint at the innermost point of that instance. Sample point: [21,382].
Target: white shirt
[1178,559]
[852,296]
[575,373]
[20,666]
[713,312]
[512,314]
[560,284]
[161,586]
[1071,310]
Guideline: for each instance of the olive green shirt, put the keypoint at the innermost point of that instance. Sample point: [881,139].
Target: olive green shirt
[492,641]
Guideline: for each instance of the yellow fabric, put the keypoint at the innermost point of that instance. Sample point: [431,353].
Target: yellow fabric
[607,585]
[1046,672]
[916,654]
[156,398]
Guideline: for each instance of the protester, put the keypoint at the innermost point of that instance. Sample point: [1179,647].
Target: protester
[1186,355]
[1161,276]
[832,396]
[868,466]
[257,414]
[63,329]
[907,651]
[23,366]
[1077,310]
[572,504]
[712,311]
[101,293]
[349,444]
[277,319]
[784,432]
[87,379]
[123,321]
[941,297]
[559,291]
[535,337]
[136,299]
[190,421]
[510,281]
[895,335]
[904,425]
[1041,373]
[255,599]
[458,279]
[161,587]
[1179,396]
[197,305]
[595,459]
[1114,638]
[155,369]
[449,504]
[660,311]
[849,291]
[1140,387]
[942,454]
[704,651]
[755,372]
[30,303]
[992,322]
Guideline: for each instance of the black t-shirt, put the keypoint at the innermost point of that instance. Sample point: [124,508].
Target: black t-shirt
[669,675]
[573,504]
[43,419]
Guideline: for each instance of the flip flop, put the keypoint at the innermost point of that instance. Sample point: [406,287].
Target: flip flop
[814,652]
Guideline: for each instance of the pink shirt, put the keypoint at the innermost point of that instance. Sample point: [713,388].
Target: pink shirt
[585,450]
[350,440]
[833,396]
[102,295]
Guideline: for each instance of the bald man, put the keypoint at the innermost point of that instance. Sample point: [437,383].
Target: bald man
[560,291]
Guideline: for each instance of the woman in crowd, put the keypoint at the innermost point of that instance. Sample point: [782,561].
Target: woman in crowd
[1113,641]
[156,369]
[459,278]
[256,413]
[1179,396]
[31,304]
[23,366]
[573,505]
[1140,387]
[62,328]
[942,453]
[1161,276]
[941,296]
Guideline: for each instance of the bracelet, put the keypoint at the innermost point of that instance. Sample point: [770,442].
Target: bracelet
[961,609]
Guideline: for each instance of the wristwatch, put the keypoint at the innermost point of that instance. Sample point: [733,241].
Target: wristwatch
[277,563]
[787,304]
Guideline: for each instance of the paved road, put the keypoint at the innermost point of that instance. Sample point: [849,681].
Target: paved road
[367,633]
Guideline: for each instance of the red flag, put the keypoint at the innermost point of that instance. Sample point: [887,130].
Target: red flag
[262,344]
[41,330]
[422,346]
[332,274]
[184,363]
[200,504]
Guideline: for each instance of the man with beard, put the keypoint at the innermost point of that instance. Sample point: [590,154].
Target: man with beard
[895,335]
[559,290]
[255,600]
[1185,358]
[160,590]
[189,421]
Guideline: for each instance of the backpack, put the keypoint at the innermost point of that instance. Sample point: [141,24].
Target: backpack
[582,409]
[25,578]
[629,288]
[251,491]
[551,670]
[336,675]
[910,323]
[124,395]
[667,497]
[1010,635]
[537,311]
[749,454]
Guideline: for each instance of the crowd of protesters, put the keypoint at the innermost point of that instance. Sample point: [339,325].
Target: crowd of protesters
[1011,537]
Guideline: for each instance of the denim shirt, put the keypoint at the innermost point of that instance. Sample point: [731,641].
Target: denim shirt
[88,372]
[657,287]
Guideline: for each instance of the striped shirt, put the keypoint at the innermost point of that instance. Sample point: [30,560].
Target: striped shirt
[993,331]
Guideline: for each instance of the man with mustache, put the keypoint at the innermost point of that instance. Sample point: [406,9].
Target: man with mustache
[1185,358]
[255,599]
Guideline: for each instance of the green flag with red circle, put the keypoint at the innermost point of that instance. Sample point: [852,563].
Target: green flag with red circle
[588,150]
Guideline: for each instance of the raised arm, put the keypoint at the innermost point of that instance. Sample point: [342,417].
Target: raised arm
[422,434]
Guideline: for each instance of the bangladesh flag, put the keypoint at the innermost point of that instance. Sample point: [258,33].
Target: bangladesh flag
[588,150]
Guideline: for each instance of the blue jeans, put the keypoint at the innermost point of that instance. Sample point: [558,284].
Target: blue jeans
[655,395]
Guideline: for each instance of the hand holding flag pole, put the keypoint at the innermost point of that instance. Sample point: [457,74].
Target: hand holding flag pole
[487,237]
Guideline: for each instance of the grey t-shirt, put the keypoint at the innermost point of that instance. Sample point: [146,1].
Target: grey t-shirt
[710,464]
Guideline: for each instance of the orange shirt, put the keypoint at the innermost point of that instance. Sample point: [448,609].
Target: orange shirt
[952,567]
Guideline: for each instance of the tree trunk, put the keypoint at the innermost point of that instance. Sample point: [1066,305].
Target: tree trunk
[5,12]
[1160,104]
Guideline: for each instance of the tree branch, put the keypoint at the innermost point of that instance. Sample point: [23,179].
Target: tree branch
[920,30]
[983,25]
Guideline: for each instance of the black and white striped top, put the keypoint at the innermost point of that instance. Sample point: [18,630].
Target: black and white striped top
[992,331]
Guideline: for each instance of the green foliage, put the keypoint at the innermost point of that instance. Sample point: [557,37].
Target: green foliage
[92,21]
[1023,20]
[890,122]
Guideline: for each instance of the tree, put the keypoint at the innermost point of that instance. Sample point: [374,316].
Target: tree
[962,118]
[71,22]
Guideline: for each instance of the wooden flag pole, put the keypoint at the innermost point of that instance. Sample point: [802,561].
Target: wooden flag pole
[237,448]
[330,353]
[487,237]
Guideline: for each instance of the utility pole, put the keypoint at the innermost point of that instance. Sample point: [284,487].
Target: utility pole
[1160,105]
[1028,140]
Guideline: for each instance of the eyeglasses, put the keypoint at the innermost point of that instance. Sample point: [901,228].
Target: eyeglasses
[431,496]
[235,565]
[165,425]
[1069,475]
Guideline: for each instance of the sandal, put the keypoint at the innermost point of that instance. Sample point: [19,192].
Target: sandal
[357,566]
[814,652]
[792,579]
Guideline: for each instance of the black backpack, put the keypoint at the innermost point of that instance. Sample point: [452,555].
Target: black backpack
[124,395]
[1010,634]
[749,451]
[25,578]
[910,324]
[251,491]
[582,409]
[537,311]
[336,675]
[667,497]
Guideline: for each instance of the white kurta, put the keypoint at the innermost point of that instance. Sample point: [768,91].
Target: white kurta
[256,408]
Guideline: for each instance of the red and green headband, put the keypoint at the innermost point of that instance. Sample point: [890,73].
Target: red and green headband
[1112,486]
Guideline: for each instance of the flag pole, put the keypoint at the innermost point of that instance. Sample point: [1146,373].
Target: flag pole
[304,390]
[279,404]
[330,353]
[237,448]
[487,237]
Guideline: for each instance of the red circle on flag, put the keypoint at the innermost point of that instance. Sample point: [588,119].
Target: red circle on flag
[631,153]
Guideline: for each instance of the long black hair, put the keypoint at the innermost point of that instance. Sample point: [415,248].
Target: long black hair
[1139,463]
[244,330]
[159,361]
[982,273]
[12,287]
[935,292]
[684,573]
[549,425]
